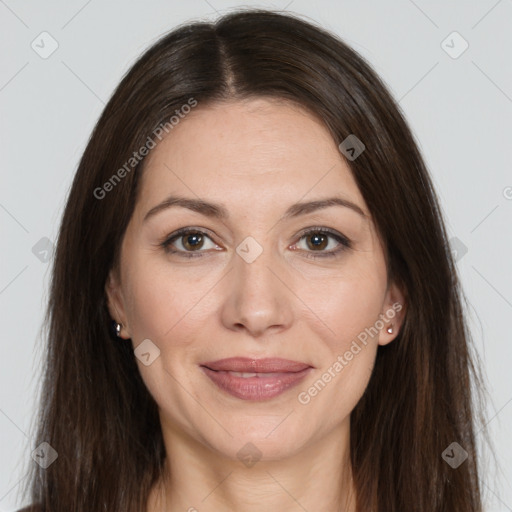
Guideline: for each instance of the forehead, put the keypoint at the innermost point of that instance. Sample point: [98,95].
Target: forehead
[242,152]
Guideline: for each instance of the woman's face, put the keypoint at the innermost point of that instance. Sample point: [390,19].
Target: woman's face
[257,284]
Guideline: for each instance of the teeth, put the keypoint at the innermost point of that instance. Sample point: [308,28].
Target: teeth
[246,375]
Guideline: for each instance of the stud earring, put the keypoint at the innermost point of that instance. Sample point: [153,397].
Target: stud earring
[390,329]
[118,328]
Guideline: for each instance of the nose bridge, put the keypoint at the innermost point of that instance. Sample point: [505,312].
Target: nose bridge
[253,264]
[258,298]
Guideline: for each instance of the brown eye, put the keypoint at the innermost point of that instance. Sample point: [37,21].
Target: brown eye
[193,241]
[187,242]
[317,241]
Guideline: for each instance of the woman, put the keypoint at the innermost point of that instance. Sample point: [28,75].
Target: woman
[254,305]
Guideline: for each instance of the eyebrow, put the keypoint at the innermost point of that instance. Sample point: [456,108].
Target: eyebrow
[218,211]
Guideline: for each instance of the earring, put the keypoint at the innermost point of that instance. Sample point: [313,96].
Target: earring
[118,328]
[390,329]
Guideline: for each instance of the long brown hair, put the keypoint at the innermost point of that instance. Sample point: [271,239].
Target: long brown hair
[95,410]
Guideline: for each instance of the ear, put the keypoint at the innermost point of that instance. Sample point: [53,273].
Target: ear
[115,303]
[392,314]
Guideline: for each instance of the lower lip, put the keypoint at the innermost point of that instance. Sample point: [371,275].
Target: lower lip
[255,388]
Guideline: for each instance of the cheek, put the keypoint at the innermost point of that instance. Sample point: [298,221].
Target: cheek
[156,302]
[153,307]
[163,303]
[346,311]
[347,303]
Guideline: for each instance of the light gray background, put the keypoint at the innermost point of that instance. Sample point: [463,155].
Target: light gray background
[460,110]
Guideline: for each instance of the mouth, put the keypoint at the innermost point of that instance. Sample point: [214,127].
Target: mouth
[255,379]
[252,365]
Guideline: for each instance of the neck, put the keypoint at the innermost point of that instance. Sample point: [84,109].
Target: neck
[197,479]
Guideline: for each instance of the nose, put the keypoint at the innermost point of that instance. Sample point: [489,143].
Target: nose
[258,298]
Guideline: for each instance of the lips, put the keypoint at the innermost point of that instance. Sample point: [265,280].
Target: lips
[250,365]
[255,379]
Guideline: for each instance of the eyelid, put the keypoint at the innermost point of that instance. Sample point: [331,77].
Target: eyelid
[344,242]
[322,229]
[167,241]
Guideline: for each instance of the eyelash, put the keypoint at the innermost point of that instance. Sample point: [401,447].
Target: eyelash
[344,242]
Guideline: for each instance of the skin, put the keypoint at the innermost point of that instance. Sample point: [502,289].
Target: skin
[256,157]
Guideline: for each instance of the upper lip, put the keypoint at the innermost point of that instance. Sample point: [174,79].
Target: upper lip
[252,365]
